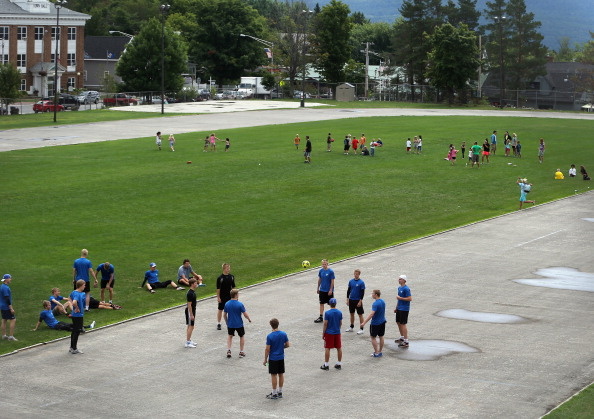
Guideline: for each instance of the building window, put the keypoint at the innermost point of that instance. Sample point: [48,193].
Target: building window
[3,32]
[71,83]
[71,34]
[4,58]
[22,32]
[85,75]
[39,33]
[21,60]
[23,85]
[106,73]
[55,31]
[71,60]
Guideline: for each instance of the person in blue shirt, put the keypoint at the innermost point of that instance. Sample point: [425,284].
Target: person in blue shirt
[107,272]
[274,356]
[151,279]
[8,317]
[47,316]
[325,288]
[77,300]
[331,335]
[81,269]
[56,303]
[494,142]
[404,298]
[355,293]
[234,309]
[378,323]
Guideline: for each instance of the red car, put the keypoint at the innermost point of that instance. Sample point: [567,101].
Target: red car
[46,106]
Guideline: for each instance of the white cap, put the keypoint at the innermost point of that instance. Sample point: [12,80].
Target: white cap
[402,277]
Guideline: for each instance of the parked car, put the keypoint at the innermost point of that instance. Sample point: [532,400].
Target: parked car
[298,94]
[69,102]
[88,97]
[120,99]
[46,106]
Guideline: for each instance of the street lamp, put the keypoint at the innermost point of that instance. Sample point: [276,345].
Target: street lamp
[262,41]
[59,4]
[500,21]
[164,10]
[306,13]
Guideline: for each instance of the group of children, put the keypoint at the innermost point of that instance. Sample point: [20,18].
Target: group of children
[210,142]
[416,145]
[572,172]
[349,143]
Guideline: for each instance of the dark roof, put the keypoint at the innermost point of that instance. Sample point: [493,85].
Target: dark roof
[98,47]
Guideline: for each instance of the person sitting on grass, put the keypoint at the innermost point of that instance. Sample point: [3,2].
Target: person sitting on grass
[103,305]
[56,303]
[559,175]
[151,279]
[185,272]
[47,316]
[584,173]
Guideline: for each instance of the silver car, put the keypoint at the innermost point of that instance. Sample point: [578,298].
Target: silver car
[89,97]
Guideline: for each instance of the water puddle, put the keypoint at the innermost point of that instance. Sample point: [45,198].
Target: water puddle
[588,219]
[429,350]
[561,278]
[478,316]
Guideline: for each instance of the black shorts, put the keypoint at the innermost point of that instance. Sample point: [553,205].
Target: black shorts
[475,158]
[163,284]
[104,283]
[276,367]
[401,316]
[87,286]
[353,307]
[240,331]
[222,304]
[7,315]
[325,297]
[377,330]
[188,321]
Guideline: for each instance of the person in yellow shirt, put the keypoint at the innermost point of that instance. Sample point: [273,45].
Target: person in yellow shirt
[559,174]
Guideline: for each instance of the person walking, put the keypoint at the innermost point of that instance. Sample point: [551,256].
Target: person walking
[307,152]
[6,308]
[225,283]
[190,312]
[274,356]
[541,150]
[234,309]
[331,335]
[404,298]
[377,328]
[355,293]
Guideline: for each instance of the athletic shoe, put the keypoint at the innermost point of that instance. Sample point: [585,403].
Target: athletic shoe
[279,395]
[219,326]
[403,344]
[110,302]
[76,351]
[338,366]
[399,340]
[319,320]
[272,396]
[5,337]
[242,354]
[11,338]
[229,353]
[152,291]
[190,345]
[193,343]
[180,288]
[379,355]
[325,367]
[360,332]
[92,325]
[350,329]
[201,285]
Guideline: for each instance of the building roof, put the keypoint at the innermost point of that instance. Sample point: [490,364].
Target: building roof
[11,9]
[105,47]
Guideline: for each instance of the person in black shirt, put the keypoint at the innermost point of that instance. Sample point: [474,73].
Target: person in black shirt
[191,312]
[225,283]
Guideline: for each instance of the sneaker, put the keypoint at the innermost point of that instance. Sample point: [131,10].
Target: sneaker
[403,344]
[110,302]
[219,326]
[379,355]
[193,343]
[319,320]
[338,366]
[325,367]
[152,291]
[360,332]
[350,329]
[76,351]
[201,285]
[272,396]
[399,340]
[180,288]
[229,353]
[5,337]
[242,354]
[279,395]
[92,325]
[190,345]
[11,338]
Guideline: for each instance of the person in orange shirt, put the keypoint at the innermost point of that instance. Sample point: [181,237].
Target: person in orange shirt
[297,141]
[362,141]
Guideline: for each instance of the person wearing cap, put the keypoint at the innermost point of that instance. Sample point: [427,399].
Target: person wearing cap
[47,316]
[377,328]
[404,298]
[6,308]
[151,279]
[525,188]
[331,334]
[325,287]
[81,269]
[355,293]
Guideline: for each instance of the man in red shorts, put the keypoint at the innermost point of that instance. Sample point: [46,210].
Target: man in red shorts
[331,334]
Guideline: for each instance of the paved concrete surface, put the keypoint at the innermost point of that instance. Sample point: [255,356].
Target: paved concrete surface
[141,369]
[243,113]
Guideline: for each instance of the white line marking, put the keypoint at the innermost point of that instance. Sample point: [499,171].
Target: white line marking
[538,238]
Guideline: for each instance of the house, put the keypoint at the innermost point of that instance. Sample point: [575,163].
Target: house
[29,37]
[102,54]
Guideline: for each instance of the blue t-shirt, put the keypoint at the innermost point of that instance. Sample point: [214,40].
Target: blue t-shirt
[152,276]
[493,139]
[334,317]
[48,317]
[52,298]
[106,271]
[403,291]
[379,315]
[5,297]
[277,341]
[357,287]
[234,308]
[326,276]
[82,266]
[79,297]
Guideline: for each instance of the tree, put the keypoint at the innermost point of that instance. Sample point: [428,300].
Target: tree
[332,28]
[565,53]
[379,34]
[453,59]
[465,12]
[140,65]
[358,18]
[586,52]
[10,80]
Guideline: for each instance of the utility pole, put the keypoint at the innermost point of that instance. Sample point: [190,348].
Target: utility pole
[366,51]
